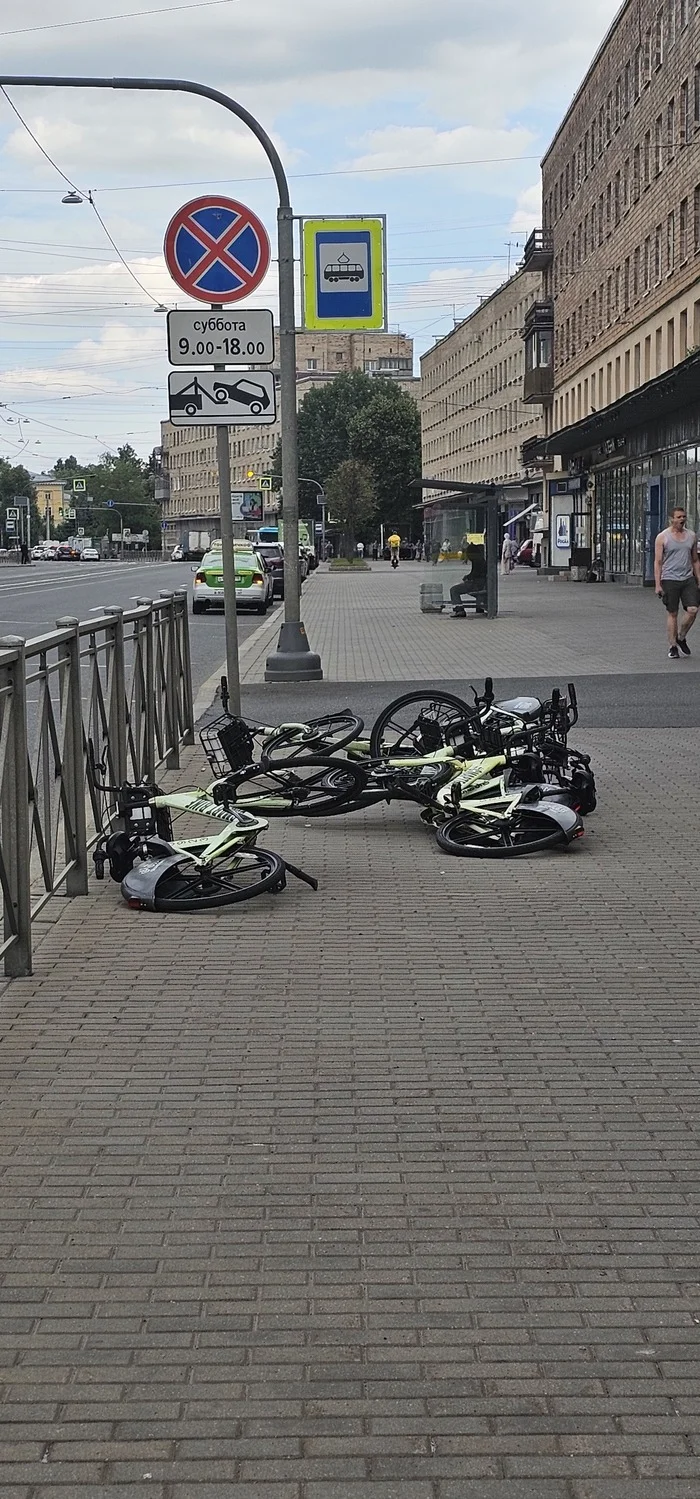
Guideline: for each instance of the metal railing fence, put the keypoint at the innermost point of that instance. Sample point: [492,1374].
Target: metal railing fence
[121,680]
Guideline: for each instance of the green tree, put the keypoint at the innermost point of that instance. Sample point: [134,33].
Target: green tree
[386,436]
[16,480]
[121,477]
[352,500]
[364,417]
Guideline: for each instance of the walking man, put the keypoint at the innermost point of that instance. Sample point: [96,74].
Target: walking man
[677,579]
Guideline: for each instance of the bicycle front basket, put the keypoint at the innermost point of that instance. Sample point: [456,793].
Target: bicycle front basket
[227,744]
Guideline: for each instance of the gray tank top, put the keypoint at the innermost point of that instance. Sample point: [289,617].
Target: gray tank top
[677,563]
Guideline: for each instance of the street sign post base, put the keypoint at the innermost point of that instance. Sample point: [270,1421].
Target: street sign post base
[293,661]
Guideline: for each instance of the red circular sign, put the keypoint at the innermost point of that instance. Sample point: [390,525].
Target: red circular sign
[217,250]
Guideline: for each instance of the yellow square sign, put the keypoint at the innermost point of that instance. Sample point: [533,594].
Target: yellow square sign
[344,274]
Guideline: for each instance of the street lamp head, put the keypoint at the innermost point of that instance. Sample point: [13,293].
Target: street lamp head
[72,197]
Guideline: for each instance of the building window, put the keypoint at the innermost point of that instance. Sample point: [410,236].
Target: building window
[637,173]
[670,244]
[683,11]
[627,89]
[647,158]
[617,196]
[684,123]
[659,42]
[683,230]
[658,254]
[626,285]
[658,142]
[696,96]
[312,364]
[636,272]
[671,125]
[647,263]
[696,220]
[638,72]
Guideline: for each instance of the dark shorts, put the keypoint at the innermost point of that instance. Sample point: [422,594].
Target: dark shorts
[686,593]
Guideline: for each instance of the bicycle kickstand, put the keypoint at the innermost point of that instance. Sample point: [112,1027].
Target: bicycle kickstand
[299,874]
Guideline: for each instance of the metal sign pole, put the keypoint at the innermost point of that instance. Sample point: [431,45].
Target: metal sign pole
[492,550]
[293,661]
[223,463]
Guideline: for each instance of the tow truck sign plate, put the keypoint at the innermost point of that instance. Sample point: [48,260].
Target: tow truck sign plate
[222,337]
[222,398]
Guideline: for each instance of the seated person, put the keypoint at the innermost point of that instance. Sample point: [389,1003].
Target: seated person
[473,583]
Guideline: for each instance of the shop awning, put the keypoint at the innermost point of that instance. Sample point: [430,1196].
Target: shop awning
[655,399]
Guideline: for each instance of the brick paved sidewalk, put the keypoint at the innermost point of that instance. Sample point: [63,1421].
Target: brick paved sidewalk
[385,1193]
[368,627]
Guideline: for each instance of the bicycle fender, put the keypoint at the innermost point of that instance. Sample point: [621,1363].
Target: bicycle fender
[139,886]
[569,821]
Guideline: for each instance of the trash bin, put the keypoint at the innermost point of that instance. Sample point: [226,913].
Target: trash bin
[431,598]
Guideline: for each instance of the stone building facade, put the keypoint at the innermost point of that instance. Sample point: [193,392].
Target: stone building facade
[621,202]
[620,255]
[473,417]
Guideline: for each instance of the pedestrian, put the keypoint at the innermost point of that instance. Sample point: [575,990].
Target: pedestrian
[360,549]
[507,554]
[394,547]
[677,579]
[24,552]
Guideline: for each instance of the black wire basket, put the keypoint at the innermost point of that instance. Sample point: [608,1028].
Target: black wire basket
[227,744]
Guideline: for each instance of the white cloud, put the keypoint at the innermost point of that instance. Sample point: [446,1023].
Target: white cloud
[528,213]
[424,146]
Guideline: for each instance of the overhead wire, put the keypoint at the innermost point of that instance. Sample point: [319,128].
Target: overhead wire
[80,193]
[126,15]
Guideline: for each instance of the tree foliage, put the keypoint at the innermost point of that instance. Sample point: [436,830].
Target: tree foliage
[352,500]
[125,479]
[16,480]
[357,416]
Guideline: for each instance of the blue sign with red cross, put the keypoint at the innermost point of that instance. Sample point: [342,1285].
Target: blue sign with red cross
[217,250]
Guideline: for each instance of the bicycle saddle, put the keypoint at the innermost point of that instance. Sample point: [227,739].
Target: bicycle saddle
[522,707]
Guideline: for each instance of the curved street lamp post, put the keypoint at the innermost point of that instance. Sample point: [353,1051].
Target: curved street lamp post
[293,661]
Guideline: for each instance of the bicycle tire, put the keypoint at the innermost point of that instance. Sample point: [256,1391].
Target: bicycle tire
[187,888]
[295,788]
[526,832]
[320,736]
[411,740]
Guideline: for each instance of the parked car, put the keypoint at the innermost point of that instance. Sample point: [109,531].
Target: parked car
[66,553]
[38,554]
[525,553]
[254,586]
[177,554]
[89,554]
[273,557]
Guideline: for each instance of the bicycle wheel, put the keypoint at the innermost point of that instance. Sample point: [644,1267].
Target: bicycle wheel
[525,832]
[234,877]
[294,788]
[320,736]
[417,724]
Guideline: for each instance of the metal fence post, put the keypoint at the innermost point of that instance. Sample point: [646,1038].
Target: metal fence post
[73,763]
[150,767]
[172,760]
[117,698]
[182,599]
[15,818]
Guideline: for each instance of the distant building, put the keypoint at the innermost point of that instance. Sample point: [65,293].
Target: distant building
[186,472]
[474,417]
[50,493]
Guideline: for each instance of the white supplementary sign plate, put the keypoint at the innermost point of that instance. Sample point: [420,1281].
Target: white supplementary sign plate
[222,398]
[222,337]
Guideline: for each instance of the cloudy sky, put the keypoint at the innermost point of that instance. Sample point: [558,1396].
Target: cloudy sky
[434,113]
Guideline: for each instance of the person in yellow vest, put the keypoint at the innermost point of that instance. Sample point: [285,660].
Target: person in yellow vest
[394,544]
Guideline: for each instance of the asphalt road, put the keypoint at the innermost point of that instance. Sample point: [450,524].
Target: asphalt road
[669,699]
[33,598]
